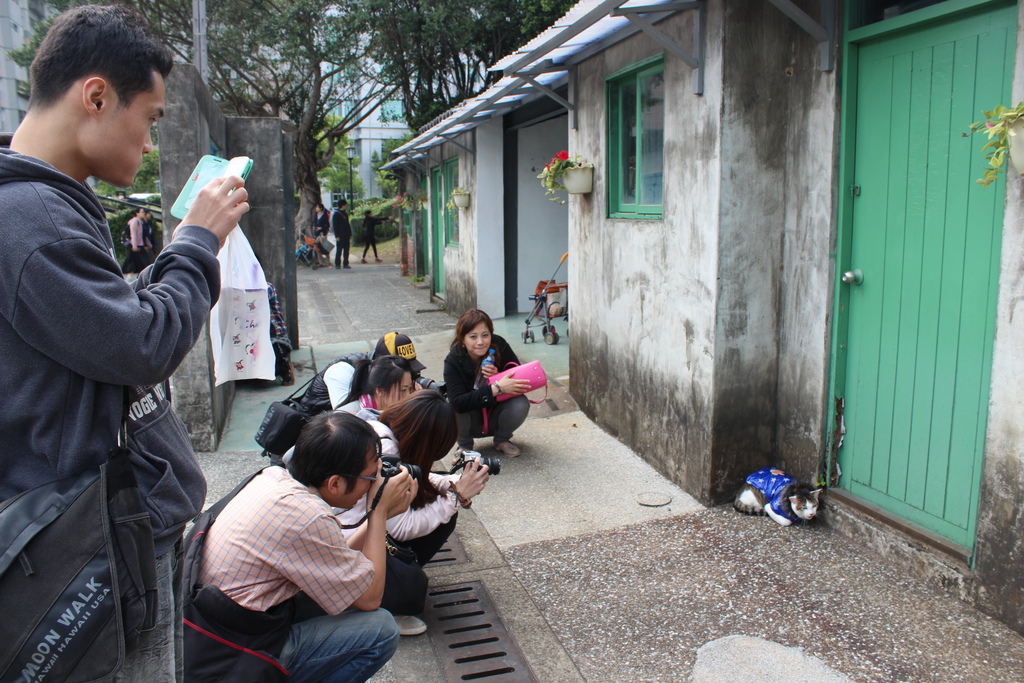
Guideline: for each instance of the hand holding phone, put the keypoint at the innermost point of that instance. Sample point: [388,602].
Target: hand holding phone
[208,168]
[211,199]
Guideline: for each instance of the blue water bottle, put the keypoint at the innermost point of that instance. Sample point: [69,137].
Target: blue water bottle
[488,359]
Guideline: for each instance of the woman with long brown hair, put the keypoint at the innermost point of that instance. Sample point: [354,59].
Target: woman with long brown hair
[465,377]
[421,430]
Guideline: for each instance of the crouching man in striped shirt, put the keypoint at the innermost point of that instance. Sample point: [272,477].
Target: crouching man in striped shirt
[278,541]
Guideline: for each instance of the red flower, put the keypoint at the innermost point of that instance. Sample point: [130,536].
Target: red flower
[562,156]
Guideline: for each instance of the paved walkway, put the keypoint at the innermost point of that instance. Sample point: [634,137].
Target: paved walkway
[593,584]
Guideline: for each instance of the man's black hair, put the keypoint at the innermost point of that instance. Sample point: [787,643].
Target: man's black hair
[110,41]
[332,443]
[342,203]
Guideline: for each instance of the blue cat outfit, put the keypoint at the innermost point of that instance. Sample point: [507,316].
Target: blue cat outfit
[771,482]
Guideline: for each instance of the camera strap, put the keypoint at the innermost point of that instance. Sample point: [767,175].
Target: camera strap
[370,507]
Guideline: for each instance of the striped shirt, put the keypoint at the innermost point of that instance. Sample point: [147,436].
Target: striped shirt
[276,538]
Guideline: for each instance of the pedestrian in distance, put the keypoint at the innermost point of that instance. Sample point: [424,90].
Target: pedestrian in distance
[370,235]
[74,333]
[135,257]
[342,234]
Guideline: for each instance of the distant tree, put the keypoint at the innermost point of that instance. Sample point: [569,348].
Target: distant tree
[301,60]
[386,179]
[336,176]
[437,53]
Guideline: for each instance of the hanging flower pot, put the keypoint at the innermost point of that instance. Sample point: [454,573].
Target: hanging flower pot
[1017,145]
[459,198]
[579,180]
[555,175]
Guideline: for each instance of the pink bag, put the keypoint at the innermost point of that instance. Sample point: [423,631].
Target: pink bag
[531,372]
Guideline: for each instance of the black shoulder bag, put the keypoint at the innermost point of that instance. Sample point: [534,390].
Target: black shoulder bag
[281,425]
[77,575]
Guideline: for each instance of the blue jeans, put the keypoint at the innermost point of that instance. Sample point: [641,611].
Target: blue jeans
[346,648]
[158,656]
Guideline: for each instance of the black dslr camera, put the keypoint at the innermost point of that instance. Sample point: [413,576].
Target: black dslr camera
[493,464]
[427,383]
[391,466]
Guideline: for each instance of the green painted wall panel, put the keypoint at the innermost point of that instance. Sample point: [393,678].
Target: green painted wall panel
[920,326]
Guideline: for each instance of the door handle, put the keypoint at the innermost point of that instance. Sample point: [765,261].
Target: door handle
[853,277]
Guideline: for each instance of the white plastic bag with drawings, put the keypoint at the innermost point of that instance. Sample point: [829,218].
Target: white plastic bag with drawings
[240,321]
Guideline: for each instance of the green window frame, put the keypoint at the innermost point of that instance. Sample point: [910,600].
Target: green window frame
[636,137]
[451,216]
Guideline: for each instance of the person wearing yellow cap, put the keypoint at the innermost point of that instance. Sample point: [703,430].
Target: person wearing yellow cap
[331,387]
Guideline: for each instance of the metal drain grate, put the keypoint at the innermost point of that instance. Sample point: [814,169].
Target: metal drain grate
[470,638]
[450,553]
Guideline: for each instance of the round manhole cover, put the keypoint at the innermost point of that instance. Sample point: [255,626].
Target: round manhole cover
[653,499]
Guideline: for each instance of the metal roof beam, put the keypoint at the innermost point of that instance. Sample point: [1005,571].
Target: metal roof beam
[579,26]
[695,62]
[547,66]
[451,138]
[824,33]
[461,117]
[549,92]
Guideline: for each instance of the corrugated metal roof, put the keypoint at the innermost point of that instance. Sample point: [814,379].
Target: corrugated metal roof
[546,60]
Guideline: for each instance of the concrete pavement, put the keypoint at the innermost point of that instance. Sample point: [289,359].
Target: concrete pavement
[600,570]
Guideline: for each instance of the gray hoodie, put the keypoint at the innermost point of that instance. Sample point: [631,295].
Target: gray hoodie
[74,334]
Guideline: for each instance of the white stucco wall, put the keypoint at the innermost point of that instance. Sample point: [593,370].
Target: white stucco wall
[488,217]
[543,225]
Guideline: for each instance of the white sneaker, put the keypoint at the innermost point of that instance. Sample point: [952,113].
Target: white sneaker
[410,626]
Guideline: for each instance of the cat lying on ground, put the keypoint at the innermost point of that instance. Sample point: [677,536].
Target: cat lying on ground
[773,492]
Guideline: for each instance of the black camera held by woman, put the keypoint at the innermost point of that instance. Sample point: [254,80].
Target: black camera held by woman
[462,457]
[391,465]
[432,384]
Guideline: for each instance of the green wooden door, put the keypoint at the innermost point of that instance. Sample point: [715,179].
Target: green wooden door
[926,239]
[437,209]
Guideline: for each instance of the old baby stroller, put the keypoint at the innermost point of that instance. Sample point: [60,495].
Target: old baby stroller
[551,301]
[313,251]
[305,253]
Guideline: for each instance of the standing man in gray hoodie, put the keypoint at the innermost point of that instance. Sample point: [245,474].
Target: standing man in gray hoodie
[73,334]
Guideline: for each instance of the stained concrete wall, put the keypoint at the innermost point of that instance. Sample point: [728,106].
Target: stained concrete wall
[644,292]
[269,225]
[193,124]
[779,123]
[474,269]
[1000,543]
[701,339]
[489,219]
[460,260]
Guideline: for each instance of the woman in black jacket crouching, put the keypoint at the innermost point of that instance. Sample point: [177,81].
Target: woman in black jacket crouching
[475,401]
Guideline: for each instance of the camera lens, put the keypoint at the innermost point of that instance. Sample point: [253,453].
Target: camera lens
[391,465]
[493,464]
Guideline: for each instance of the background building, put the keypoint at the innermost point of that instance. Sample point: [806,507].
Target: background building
[17,18]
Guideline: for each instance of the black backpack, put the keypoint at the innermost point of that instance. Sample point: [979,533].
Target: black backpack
[223,640]
[285,419]
[317,399]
